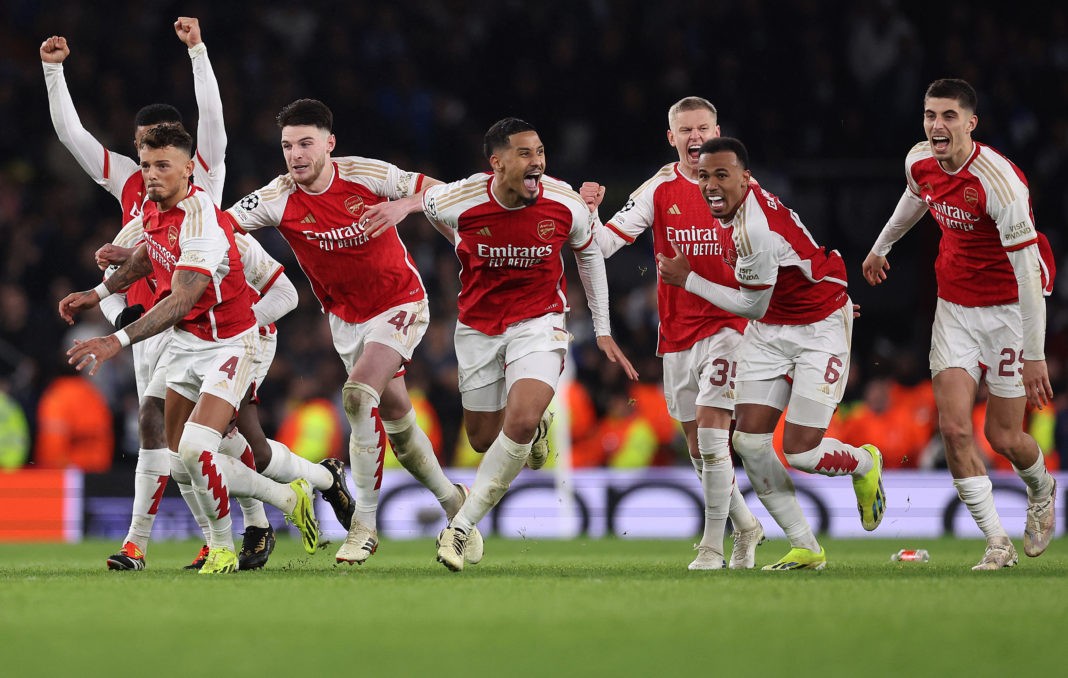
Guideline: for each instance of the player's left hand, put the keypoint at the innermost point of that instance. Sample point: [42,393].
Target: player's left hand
[92,353]
[856,311]
[378,219]
[609,347]
[188,30]
[1036,383]
[673,271]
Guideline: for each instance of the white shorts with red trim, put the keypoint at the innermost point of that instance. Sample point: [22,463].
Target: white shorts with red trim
[223,368]
[703,374]
[401,328]
[983,339]
[814,356]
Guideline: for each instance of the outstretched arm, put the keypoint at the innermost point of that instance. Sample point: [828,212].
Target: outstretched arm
[595,282]
[135,268]
[211,128]
[386,215]
[186,288]
[87,151]
[908,211]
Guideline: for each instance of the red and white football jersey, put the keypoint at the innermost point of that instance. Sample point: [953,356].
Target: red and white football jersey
[776,250]
[121,175]
[672,205]
[511,264]
[984,210]
[355,277]
[195,236]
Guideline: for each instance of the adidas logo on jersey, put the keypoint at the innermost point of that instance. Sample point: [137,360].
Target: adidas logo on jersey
[308,219]
[674,209]
[485,231]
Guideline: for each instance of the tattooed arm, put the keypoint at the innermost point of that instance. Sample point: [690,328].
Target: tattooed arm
[135,268]
[186,288]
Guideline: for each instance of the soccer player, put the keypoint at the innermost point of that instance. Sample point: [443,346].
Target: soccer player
[990,319]
[202,293]
[371,291]
[274,295]
[697,342]
[509,228]
[121,176]
[795,350]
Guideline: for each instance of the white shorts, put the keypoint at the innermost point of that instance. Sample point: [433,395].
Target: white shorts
[982,338]
[224,369]
[401,328]
[815,356]
[150,365]
[702,375]
[485,360]
[268,347]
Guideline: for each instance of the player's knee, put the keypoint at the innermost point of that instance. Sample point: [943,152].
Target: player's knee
[358,399]
[751,445]
[150,424]
[178,470]
[956,435]
[1004,441]
[196,440]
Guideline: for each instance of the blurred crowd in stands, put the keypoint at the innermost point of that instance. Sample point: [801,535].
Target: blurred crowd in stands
[826,96]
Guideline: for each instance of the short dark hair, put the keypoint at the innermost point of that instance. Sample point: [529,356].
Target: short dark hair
[718,144]
[497,135]
[153,114]
[168,134]
[953,88]
[306,112]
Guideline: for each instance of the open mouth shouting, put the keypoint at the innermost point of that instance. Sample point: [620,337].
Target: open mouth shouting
[530,181]
[693,151]
[940,143]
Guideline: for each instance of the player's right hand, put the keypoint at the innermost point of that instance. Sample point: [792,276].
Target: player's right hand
[875,268]
[188,30]
[76,302]
[54,50]
[112,255]
[592,193]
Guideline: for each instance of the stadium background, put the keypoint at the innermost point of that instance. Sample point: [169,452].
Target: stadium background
[827,97]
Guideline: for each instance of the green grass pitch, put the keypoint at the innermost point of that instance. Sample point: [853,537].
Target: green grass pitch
[533,608]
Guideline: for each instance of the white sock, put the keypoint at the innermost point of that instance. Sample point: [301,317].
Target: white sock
[197,449]
[1038,479]
[286,466]
[833,458]
[185,485]
[739,512]
[774,487]
[244,482]
[977,494]
[716,480]
[151,474]
[416,454]
[366,449]
[500,465]
[698,463]
[235,446]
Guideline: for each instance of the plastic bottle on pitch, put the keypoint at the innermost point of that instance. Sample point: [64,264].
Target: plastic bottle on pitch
[911,555]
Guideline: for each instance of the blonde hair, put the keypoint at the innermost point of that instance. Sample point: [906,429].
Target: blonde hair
[691,104]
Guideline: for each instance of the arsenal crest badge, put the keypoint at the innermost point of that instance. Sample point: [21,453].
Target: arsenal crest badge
[971,196]
[354,204]
[546,229]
